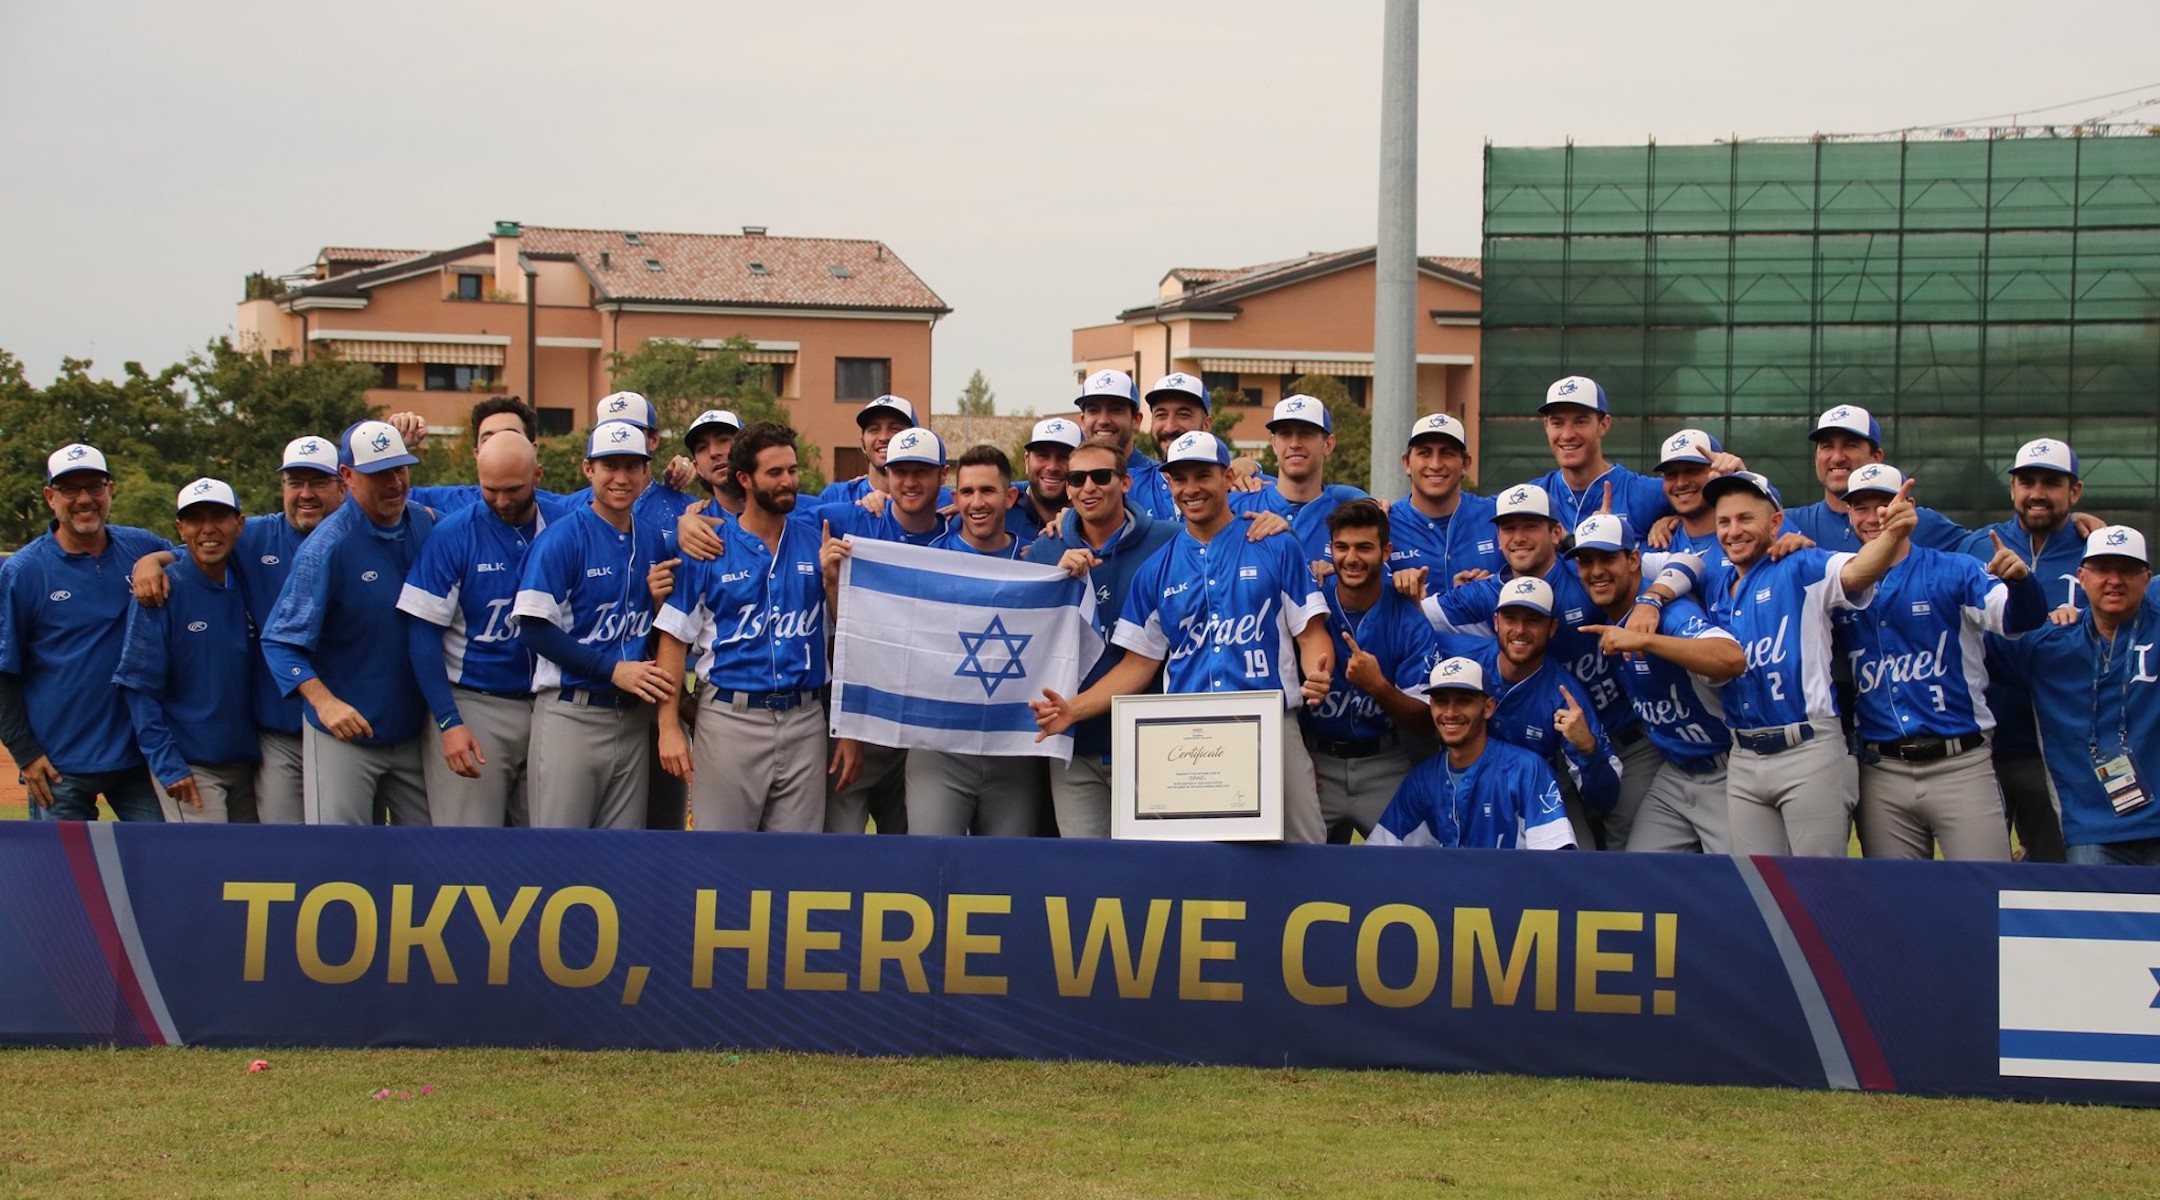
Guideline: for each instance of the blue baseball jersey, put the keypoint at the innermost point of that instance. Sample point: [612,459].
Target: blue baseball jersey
[2095,698]
[63,620]
[1833,531]
[337,619]
[1222,615]
[1308,518]
[1707,547]
[1780,612]
[187,669]
[1464,540]
[264,558]
[1147,489]
[1679,710]
[1640,499]
[2054,564]
[1918,653]
[854,520]
[1506,799]
[755,616]
[465,582]
[1015,547]
[586,578]
[1524,717]
[1129,549]
[1469,609]
[1396,634]
[447,498]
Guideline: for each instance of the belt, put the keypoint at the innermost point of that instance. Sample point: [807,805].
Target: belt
[1623,738]
[1699,767]
[1774,740]
[609,698]
[769,701]
[498,695]
[1925,748]
[1359,749]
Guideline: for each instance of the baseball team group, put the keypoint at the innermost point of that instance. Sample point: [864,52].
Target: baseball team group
[1597,658]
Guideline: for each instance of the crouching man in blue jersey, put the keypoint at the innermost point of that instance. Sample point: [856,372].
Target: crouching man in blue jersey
[1226,615]
[188,664]
[1481,792]
[2092,675]
[337,640]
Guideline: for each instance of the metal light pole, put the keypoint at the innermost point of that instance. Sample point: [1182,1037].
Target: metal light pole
[1394,399]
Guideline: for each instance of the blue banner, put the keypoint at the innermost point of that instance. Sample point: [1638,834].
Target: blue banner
[1976,979]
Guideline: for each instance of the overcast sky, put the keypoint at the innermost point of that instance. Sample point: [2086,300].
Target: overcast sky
[1040,166]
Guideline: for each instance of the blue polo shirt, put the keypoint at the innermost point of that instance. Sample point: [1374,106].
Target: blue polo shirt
[855,520]
[1640,499]
[62,625]
[2055,565]
[187,668]
[264,559]
[1833,531]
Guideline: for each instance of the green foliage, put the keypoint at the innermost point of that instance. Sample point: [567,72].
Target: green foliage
[682,380]
[261,285]
[221,413]
[978,400]
[1351,463]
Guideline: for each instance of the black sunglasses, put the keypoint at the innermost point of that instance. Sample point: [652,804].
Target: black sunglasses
[1100,477]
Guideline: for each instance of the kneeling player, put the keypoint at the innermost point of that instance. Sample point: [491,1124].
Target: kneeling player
[1479,792]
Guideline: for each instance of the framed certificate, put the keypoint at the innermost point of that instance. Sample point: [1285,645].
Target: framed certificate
[1197,768]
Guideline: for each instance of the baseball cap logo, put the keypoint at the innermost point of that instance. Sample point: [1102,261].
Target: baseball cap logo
[1294,406]
[1177,379]
[1519,496]
[311,446]
[76,453]
[202,488]
[1187,442]
[2117,537]
[381,441]
[2040,448]
[618,435]
[1055,426]
[1840,413]
[1524,587]
[1568,387]
[618,404]
[1453,667]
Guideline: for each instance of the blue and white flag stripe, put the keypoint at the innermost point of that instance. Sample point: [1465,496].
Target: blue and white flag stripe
[2079,985]
[942,651]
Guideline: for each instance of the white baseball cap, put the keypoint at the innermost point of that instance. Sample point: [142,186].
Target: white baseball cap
[1581,391]
[1197,447]
[1304,410]
[1687,446]
[1179,385]
[1055,431]
[917,445]
[2116,541]
[616,439]
[1743,481]
[1848,418]
[1603,531]
[1523,500]
[310,453]
[712,418]
[886,404]
[626,406]
[372,446]
[206,491]
[1439,425]
[1457,674]
[1527,591]
[1115,385]
[75,457]
[1873,478]
[2046,454]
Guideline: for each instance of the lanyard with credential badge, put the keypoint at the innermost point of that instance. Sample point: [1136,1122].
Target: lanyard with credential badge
[2118,775]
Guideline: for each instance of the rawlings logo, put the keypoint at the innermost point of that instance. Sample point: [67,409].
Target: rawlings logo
[62,594]
[369,576]
[197,626]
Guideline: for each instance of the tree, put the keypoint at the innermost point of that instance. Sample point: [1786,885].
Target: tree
[249,407]
[978,400]
[683,379]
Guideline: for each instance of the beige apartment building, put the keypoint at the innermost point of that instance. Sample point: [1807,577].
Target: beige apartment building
[536,311]
[1255,329]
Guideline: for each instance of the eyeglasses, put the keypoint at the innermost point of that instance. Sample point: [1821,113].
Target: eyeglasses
[1100,477]
[96,487]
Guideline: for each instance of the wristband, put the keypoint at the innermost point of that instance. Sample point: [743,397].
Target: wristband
[1652,599]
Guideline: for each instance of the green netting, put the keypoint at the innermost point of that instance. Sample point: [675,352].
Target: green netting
[1973,293]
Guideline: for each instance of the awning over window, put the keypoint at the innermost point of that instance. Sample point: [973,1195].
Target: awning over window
[1285,366]
[375,352]
[778,357]
[445,353]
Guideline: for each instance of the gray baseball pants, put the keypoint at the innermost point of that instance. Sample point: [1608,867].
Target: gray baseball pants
[994,795]
[1683,813]
[880,788]
[588,765]
[343,780]
[280,779]
[218,784]
[757,769]
[1080,794]
[502,725]
[1357,790]
[1907,808]
[1798,801]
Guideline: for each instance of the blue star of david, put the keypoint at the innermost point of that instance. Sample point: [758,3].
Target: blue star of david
[990,677]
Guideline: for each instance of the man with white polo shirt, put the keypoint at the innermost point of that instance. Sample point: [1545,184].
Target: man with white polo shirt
[337,640]
[1576,419]
[475,672]
[1480,791]
[2092,675]
[1790,784]
[1917,662]
[2045,487]
[1219,613]
[187,665]
[1441,527]
[1303,435]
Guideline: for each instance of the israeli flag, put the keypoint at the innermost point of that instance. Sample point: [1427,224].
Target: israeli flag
[2079,992]
[942,650]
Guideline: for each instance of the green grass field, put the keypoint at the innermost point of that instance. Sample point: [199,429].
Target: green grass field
[544,1123]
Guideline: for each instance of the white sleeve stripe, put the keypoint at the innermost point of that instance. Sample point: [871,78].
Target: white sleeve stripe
[1145,639]
[429,607]
[1991,617]
[1555,834]
[532,602]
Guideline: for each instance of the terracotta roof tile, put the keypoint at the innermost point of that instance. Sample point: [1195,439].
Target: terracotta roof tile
[362,254]
[709,268]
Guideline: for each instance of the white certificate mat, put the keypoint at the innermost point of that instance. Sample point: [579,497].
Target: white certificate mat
[1197,768]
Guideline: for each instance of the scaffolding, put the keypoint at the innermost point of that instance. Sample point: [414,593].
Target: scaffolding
[1972,291]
